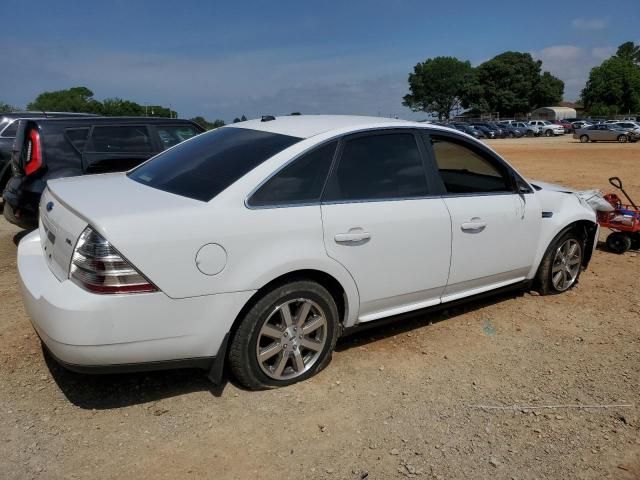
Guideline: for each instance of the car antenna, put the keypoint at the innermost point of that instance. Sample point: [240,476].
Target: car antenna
[267,118]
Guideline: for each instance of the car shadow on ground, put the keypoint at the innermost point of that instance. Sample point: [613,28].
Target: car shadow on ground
[110,391]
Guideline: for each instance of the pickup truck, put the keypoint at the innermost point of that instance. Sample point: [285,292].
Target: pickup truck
[547,128]
[47,148]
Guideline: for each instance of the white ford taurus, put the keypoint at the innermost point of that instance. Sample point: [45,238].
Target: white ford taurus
[258,244]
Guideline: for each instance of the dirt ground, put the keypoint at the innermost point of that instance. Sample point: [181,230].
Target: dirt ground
[395,402]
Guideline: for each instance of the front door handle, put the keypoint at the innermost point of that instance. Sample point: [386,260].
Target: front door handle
[474,226]
[352,237]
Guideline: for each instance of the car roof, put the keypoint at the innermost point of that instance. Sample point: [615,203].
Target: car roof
[306,126]
[114,120]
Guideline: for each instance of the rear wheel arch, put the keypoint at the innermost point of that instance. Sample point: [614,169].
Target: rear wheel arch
[329,282]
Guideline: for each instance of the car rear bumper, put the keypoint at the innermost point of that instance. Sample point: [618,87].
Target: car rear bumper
[120,332]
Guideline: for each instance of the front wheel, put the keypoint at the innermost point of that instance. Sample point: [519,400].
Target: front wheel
[548,133]
[584,139]
[623,139]
[287,336]
[561,265]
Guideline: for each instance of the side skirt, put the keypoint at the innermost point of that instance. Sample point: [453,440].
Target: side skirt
[361,327]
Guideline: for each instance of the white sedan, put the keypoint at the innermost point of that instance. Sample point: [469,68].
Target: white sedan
[258,244]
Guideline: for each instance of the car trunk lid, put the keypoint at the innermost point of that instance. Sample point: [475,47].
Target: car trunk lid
[60,228]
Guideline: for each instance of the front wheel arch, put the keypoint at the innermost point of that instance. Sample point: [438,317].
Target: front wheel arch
[587,230]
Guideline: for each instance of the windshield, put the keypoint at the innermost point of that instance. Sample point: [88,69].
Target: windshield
[207,164]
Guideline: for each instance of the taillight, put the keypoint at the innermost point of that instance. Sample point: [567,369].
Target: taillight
[33,162]
[99,268]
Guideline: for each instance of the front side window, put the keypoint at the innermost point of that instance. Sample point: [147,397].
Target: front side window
[300,182]
[209,163]
[464,170]
[171,135]
[120,139]
[377,167]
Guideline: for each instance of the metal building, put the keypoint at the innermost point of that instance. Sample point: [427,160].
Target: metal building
[553,113]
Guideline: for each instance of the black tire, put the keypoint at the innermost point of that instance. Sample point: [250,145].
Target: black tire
[543,282]
[512,135]
[548,133]
[635,241]
[584,138]
[243,361]
[623,139]
[619,242]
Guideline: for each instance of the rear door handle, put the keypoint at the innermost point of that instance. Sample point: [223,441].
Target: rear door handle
[352,237]
[474,226]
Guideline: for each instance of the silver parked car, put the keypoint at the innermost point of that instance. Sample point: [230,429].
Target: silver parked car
[605,133]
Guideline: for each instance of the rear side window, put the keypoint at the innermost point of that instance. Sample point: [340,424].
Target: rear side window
[378,167]
[120,139]
[171,135]
[10,130]
[77,137]
[209,163]
[299,182]
[464,170]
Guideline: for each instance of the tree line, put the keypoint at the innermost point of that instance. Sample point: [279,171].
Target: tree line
[81,100]
[513,83]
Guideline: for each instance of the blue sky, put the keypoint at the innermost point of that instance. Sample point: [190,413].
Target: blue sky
[225,59]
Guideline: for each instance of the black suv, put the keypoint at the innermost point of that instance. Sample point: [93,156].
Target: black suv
[45,149]
[8,129]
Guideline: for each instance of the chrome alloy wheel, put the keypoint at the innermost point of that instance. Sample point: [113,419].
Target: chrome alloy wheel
[291,339]
[566,264]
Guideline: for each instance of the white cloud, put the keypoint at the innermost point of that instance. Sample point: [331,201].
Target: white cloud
[603,52]
[572,64]
[589,23]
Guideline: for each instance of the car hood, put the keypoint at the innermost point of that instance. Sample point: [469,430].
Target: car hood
[539,185]
[592,199]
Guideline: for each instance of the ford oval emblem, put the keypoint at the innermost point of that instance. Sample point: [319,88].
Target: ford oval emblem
[49,206]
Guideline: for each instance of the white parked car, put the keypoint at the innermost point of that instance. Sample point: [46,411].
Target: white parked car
[258,244]
[547,128]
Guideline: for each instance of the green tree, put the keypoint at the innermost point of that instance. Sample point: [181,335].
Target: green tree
[295,113]
[437,85]
[206,124]
[629,51]
[243,118]
[236,120]
[511,83]
[76,99]
[613,87]
[117,107]
[6,108]
[548,92]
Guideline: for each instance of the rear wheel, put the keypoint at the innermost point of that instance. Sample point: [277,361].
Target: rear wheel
[635,241]
[584,139]
[623,139]
[287,336]
[561,265]
[619,242]
[512,135]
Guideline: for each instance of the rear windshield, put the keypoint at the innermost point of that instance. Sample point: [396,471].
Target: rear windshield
[207,164]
